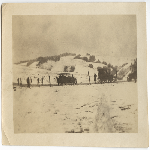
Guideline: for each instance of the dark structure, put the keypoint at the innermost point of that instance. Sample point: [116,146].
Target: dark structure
[65,78]
[133,74]
[104,75]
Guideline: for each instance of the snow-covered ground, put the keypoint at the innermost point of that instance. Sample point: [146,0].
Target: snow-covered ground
[115,61]
[90,108]
[95,108]
[52,69]
[24,72]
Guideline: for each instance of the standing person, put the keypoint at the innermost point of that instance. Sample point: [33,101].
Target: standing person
[38,82]
[95,78]
[18,81]
[28,82]
[49,79]
[88,73]
[116,74]
[57,80]
[42,80]
[89,79]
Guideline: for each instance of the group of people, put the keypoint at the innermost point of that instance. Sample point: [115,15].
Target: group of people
[42,81]
[19,82]
[29,81]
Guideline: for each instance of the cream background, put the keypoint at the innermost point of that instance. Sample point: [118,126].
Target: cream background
[139,139]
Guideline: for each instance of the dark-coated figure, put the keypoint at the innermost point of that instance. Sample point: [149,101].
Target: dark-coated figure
[95,77]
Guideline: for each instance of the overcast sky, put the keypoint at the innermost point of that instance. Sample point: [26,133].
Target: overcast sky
[106,35]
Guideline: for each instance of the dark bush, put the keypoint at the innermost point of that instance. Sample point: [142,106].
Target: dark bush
[90,65]
[72,68]
[92,58]
[84,58]
[42,60]
[98,61]
[105,63]
[77,57]
[67,54]
[20,62]
[99,68]
[30,62]
[69,69]
[110,66]
[124,64]
[66,69]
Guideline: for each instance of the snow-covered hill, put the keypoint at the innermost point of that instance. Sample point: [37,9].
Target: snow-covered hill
[81,68]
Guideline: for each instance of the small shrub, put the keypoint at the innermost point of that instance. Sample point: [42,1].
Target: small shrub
[65,68]
[105,63]
[84,58]
[99,68]
[67,54]
[92,58]
[124,64]
[72,68]
[30,62]
[77,57]
[90,65]
[98,61]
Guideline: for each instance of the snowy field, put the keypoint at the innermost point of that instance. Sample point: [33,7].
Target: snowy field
[23,72]
[95,108]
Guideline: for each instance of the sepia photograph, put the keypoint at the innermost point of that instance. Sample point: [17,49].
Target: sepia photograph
[75,73]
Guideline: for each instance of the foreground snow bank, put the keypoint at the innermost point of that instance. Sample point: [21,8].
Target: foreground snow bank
[96,108]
